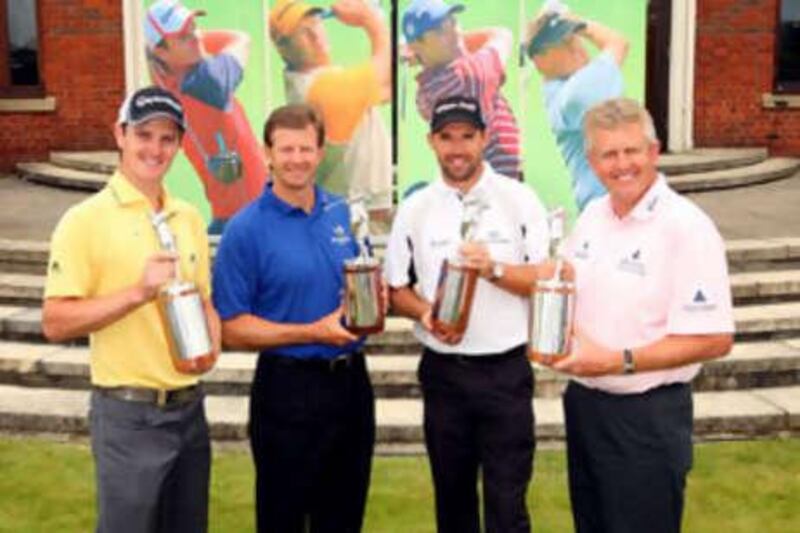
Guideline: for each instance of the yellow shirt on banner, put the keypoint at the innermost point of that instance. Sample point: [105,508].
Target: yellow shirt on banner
[358,156]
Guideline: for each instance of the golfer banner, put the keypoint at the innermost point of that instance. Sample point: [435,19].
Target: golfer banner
[373,70]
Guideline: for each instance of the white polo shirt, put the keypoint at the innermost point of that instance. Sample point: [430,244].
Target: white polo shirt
[661,270]
[426,231]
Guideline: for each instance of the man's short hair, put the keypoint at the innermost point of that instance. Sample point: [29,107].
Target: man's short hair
[294,117]
[613,113]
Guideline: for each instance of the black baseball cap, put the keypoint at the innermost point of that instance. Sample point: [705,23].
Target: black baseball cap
[151,102]
[456,109]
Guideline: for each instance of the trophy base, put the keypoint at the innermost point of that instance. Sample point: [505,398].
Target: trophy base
[195,365]
[365,330]
[546,358]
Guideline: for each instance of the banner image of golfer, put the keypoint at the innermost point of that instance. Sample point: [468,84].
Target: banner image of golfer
[336,56]
[201,50]
[532,64]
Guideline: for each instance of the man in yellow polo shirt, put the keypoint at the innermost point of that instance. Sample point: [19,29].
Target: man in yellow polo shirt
[358,152]
[149,432]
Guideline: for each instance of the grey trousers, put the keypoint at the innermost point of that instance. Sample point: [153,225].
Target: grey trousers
[151,466]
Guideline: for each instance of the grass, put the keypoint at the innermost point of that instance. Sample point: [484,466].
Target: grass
[734,487]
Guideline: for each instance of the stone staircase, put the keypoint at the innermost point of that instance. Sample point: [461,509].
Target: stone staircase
[754,392]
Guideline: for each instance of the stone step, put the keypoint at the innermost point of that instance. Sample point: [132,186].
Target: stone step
[17,256]
[752,321]
[100,162]
[770,170]
[709,159]
[718,415]
[764,285]
[56,176]
[749,365]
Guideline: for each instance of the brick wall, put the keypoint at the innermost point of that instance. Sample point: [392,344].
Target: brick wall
[81,49]
[735,60]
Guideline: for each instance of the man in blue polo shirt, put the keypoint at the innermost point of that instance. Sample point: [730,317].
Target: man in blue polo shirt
[277,284]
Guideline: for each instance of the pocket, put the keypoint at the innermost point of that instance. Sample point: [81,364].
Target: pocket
[121,414]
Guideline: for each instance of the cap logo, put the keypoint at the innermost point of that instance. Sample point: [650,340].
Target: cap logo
[444,108]
[142,101]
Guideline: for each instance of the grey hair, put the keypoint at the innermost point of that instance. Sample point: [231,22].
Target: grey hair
[611,114]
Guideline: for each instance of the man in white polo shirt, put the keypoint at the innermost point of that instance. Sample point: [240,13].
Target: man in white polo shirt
[653,301]
[477,389]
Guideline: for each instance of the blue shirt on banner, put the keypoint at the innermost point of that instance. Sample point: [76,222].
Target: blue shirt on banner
[567,100]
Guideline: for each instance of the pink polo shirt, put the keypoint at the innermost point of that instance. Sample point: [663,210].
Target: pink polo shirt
[661,270]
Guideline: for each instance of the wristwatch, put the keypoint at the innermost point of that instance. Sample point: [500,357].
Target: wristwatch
[628,365]
[498,270]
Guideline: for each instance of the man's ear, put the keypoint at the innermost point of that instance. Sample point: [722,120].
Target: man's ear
[119,135]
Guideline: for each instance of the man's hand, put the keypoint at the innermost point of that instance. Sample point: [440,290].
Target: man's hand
[354,12]
[547,269]
[159,268]
[427,322]
[329,329]
[589,358]
[476,255]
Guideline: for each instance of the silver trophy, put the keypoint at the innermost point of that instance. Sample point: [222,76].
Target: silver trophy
[552,304]
[456,287]
[363,306]
[182,313]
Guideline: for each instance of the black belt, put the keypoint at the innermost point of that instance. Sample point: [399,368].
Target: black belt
[158,397]
[332,364]
[513,353]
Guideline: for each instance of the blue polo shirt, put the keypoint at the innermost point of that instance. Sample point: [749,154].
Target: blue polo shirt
[277,262]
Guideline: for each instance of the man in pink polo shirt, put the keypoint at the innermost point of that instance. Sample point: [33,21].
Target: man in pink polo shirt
[653,302]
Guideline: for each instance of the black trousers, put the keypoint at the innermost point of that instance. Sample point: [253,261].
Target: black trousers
[312,431]
[478,415]
[628,458]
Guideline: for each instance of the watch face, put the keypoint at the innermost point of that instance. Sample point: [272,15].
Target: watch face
[497,271]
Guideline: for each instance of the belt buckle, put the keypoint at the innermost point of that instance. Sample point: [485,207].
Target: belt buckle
[161,398]
[340,361]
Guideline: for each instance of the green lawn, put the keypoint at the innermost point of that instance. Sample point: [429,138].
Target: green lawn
[735,487]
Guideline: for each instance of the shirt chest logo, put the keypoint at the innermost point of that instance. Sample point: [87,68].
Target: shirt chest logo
[340,236]
[582,252]
[633,264]
[495,236]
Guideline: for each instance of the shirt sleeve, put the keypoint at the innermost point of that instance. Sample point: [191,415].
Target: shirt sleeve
[483,71]
[214,80]
[69,269]
[599,80]
[234,278]
[343,96]
[399,250]
[701,296]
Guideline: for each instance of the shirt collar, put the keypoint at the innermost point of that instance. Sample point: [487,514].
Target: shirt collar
[126,193]
[484,182]
[647,207]
[269,200]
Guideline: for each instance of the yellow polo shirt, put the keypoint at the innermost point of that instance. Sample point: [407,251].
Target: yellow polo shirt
[100,247]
